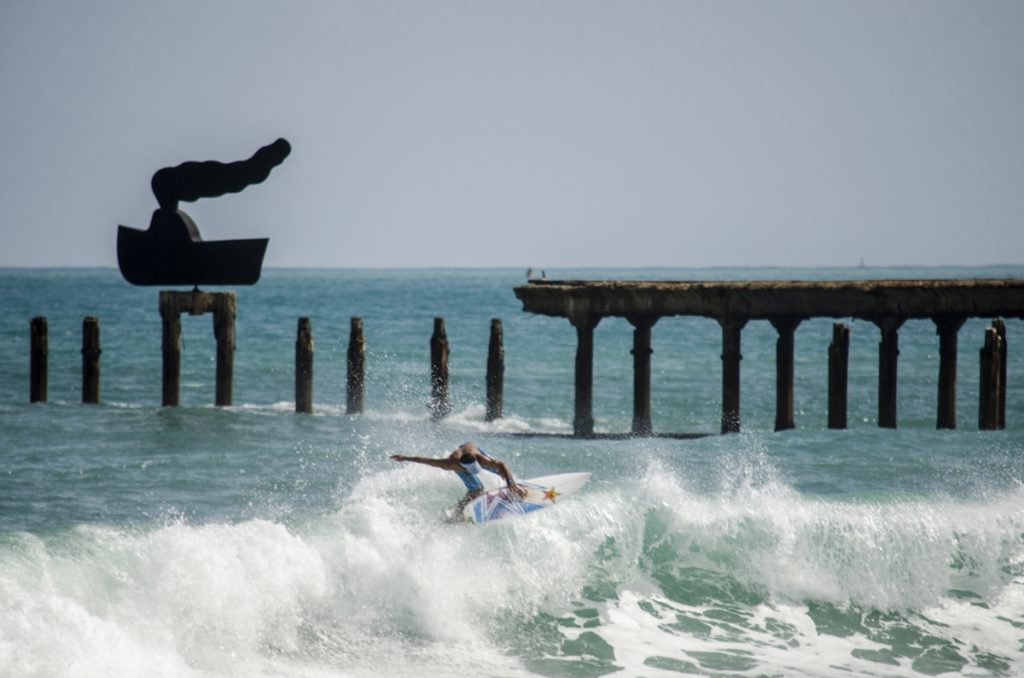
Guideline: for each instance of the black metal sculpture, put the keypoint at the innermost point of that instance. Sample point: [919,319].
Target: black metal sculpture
[171,251]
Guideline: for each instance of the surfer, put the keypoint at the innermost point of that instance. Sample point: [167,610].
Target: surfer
[467,460]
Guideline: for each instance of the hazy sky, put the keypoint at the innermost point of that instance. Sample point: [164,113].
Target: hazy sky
[547,133]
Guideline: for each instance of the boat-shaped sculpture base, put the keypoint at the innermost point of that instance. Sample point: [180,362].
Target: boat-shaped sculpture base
[171,252]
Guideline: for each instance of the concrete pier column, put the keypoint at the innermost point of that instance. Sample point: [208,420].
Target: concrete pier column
[39,353]
[583,418]
[947,328]
[224,332]
[731,357]
[91,360]
[1000,328]
[888,359]
[786,327]
[355,376]
[304,367]
[495,372]
[642,325]
[439,405]
[988,391]
[171,347]
[838,375]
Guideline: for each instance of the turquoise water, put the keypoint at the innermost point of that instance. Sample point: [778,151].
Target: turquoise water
[252,541]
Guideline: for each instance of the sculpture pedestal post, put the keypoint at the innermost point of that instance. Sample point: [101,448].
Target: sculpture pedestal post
[223,306]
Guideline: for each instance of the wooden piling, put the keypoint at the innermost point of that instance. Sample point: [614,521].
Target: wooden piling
[642,351]
[495,372]
[355,380]
[838,371]
[947,327]
[39,350]
[583,416]
[988,391]
[888,360]
[304,367]
[731,357]
[91,360]
[1000,328]
[439,406]
[786,327]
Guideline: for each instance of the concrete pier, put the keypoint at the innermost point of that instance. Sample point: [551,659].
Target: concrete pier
[887,303]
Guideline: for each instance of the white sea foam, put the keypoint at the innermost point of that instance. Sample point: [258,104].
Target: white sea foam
[674,576]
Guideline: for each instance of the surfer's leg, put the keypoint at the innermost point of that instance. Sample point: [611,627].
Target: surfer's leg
[470,496]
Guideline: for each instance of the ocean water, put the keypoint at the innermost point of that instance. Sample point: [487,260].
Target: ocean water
[197,541]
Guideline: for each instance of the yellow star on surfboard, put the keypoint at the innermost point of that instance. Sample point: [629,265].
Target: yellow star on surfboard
[551,494]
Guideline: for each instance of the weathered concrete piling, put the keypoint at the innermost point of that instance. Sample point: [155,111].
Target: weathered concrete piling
[888,361]
[731,357]
[495,372]
[989,384]
[886,303]
[583,417]
[39,349]
[223,305]
[304,367]
[355,377]
[439,405]
[784,347]
[947,329]
[1000,328]
[91,360]
[642,351]
[838,375]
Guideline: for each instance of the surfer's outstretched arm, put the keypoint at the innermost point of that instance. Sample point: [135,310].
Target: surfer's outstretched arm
[446,464]
[192,180]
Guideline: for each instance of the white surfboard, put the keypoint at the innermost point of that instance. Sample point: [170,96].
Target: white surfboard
[502,503]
